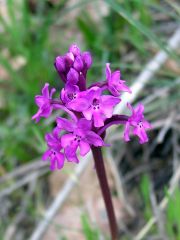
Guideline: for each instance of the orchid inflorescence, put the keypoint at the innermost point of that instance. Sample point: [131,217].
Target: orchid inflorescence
[90,109]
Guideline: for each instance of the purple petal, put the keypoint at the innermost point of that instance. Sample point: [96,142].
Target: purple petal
[115,77]
[108,111]
[46,155]
[65,124]
[79,104]
[98,119]
[70,153]
[140,132]
[45,91]
[59,160]
[84,148]
[40,101]
[53,90]
[74,49]
[110,100]
[88,113]
[67,139]
[52,164]
[87,59]
[108,72]
[94,139]
[71,88]
[84,124]
[72,76]
[69,58]
[121,86]
[78,64]
[46,111]
[37,116]
[60,64]
[139,109]
[146,124]
[49,137]
[113,90]
[63,95]
[56,132]
[53,141]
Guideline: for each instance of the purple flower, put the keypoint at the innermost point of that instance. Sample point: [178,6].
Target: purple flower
[98,107]
[139,124]
[80,135]
[115,84]
[44,103]
[91,111]
[53,153]
[72,76]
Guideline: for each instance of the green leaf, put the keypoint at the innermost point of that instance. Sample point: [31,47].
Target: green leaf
[89,232]
[126,14]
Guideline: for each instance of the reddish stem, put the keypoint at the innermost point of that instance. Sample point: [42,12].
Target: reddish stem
[101,173]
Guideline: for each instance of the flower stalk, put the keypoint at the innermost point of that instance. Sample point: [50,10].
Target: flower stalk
[91,112]
[101,173]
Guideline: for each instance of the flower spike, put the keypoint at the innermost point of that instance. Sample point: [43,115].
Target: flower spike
[89,109]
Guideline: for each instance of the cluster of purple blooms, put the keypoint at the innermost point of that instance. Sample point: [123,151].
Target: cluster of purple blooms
[90,109]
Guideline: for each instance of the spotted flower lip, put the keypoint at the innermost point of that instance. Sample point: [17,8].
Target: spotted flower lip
[139,124]
[79,135]
[115,84]
[44,103]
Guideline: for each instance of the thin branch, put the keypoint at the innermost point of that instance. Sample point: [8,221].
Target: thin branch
[26,168]
[23,181]
[157,213]
[12,228]
[166,127]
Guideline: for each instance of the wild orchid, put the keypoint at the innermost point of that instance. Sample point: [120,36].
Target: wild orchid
[90,113]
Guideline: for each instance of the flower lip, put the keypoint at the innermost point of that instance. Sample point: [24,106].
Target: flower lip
[72,95]
[77,138]
[96,104]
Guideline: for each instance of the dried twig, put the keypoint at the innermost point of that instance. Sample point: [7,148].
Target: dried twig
[18,184]
[26,168]
[157,213]
[166,127]
[12,228]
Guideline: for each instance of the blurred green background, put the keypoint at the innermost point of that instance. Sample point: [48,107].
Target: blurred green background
[125,33]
